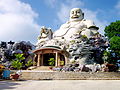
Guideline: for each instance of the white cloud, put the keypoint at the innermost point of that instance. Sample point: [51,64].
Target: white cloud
[51,3]
[63,14]
[92,15]
[17,21]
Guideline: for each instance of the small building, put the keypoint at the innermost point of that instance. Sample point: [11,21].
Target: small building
[43,54]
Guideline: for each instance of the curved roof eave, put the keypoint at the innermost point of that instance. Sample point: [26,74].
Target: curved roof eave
[46,48]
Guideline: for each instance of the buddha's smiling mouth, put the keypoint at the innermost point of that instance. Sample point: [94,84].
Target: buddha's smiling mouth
[75,16]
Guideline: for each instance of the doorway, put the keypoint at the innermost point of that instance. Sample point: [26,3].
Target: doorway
[46,57]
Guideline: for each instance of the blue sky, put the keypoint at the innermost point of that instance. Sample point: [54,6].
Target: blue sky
[22,19]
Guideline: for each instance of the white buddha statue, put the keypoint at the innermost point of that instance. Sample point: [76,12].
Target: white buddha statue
[76,25]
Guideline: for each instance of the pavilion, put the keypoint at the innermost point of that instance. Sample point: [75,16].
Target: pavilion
[42,55]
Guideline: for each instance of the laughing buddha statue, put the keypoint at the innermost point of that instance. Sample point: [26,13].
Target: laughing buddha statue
[76,25]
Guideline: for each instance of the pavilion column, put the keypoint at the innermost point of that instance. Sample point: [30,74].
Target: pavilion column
[38,60]
[34,59]
[66,60]
[41,59]
[56,61]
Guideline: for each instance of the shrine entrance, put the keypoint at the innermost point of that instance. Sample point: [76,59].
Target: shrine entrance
[43,55]
[46,58]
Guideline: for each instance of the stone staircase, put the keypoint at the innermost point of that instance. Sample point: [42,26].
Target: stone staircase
[45,68]
[53,75]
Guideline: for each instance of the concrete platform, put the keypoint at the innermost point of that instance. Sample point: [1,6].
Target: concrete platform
[53,75]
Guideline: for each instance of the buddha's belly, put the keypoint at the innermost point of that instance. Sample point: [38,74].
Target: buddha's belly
[67,33]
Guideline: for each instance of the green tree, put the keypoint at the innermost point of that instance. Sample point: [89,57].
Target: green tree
[107,57]
[113,29]
[16,63]
[29,63]
[115,43]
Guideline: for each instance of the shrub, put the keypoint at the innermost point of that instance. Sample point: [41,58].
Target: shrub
[16,63]
[51,61]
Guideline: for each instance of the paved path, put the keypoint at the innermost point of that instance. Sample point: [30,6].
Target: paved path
[61,85]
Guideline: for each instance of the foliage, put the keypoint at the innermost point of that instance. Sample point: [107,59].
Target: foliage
[113,29]
[1,68]
[16,63]
[29,63]
[84,38]
[106,53]
[115,43]
[62,63]
[19,57]
[34,63]
[72,41]
[51,61]
[106,56]
[115,46]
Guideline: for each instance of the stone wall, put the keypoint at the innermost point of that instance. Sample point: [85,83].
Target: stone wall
[49,75]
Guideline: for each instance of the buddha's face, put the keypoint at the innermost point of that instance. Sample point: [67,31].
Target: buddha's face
[76,14]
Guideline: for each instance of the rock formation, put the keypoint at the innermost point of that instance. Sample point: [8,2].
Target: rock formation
[8,49]
[78,36]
